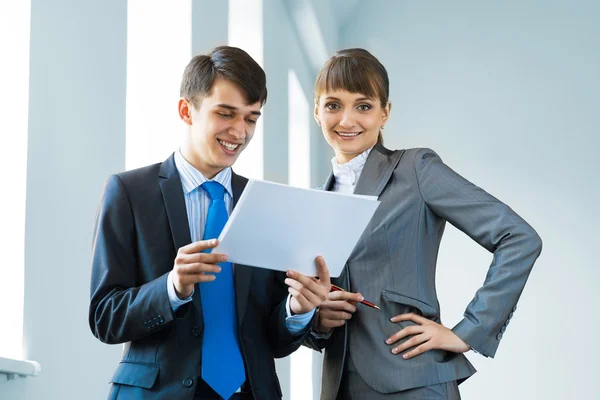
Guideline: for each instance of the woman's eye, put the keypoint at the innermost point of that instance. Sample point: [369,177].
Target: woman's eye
[364,107]
[332,106]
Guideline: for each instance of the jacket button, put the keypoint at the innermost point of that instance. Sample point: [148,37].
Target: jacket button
[499,336]
[155,321]
[188,382]
[196,330]
[503,329]
[511,315]
[161,319]
[514,309]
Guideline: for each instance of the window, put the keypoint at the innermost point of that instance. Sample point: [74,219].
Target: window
[299,175]
[159,46]
[299,134]
[246,32]
[15,19]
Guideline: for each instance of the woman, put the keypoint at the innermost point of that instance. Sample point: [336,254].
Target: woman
[403,351]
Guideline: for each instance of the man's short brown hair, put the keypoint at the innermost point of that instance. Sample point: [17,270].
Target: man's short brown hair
[230,63]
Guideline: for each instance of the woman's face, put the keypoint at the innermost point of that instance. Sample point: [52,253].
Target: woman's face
[350,122]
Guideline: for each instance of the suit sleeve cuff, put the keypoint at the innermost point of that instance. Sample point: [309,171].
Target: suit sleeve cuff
[467,332]
[175,301]
[319,335]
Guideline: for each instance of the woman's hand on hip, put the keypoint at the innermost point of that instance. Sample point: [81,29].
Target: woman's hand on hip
[426,335]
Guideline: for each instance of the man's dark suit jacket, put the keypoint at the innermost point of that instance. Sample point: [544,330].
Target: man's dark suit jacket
[140,225]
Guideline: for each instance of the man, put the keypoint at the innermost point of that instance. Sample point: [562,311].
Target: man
[195,326]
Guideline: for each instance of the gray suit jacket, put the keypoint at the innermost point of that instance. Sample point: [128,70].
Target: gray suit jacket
[394,265]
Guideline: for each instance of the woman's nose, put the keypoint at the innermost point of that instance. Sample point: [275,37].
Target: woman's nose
[347,120]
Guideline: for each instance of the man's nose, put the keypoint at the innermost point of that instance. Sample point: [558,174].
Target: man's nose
[238,129]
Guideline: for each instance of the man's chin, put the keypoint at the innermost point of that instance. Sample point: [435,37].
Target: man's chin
[226,161]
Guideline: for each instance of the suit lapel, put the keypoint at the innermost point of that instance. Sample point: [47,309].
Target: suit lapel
[374,177]
[377,170]
[172,193]
[242,273]
[328,183]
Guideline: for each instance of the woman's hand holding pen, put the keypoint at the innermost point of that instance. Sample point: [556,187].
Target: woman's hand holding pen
[426,335]
[308,292]
[336,310]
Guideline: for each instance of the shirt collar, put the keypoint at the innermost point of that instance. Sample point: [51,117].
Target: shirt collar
[348,173]
[191,178]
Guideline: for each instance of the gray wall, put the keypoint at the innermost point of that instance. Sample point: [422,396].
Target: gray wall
[76,139]
[508,93]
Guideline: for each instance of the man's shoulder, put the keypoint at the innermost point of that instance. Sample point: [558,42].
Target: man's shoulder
[140,173]
[139,177]
[135,182]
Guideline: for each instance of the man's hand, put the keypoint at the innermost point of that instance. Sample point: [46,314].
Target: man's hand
[307,292]
[191,266]
[428,335]
[336,310]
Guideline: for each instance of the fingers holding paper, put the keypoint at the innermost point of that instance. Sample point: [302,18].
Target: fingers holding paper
[308,292]
[191,266]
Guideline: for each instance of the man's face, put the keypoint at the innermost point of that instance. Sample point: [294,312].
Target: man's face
[220,128]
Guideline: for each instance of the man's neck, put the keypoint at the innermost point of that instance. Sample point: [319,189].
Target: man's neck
[207,171]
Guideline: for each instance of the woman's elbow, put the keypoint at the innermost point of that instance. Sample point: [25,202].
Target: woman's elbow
[534,241]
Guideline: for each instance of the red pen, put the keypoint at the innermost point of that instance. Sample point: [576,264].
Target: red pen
[335,288]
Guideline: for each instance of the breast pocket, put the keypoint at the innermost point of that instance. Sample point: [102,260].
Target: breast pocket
[405,304]
[395,303]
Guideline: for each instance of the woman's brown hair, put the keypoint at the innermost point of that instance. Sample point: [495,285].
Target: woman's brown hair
[355,71]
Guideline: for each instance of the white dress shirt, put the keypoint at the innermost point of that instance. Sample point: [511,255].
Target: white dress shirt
[346,175]
[197,203]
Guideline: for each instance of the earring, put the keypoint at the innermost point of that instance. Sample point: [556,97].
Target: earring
[382,127]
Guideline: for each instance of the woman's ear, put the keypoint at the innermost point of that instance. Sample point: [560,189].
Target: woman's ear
[316,113]
[385,113]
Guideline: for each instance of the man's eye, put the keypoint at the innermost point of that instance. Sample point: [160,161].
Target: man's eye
[251,121]
[224,115]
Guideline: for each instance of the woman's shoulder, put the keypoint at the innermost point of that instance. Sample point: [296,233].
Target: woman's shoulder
[420,151]
[415,154]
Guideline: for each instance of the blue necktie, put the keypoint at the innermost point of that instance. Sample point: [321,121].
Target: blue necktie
[222,363]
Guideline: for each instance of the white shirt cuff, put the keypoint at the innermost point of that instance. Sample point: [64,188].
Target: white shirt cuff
[175,301]
[296,324]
